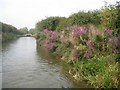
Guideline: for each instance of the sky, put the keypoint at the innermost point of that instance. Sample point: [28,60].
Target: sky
[26,13]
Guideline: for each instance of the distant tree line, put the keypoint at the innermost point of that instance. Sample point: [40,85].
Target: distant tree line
[10,32]
[9,29]
[24,30]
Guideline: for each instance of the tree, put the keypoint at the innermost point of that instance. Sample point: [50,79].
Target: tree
[49,23]
[24,30]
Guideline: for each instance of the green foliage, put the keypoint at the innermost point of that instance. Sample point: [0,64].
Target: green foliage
[49,23]
[82,18]
[117,20]
[92,67]
[88,41]
[9,32]
[80,47]
[24,30]
[99,72]
[99,41]
[98,38]
[32,31]
[9,29]
[62,24]
[110,15]
[8,36]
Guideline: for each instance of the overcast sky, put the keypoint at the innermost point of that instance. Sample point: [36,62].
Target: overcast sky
[26,13]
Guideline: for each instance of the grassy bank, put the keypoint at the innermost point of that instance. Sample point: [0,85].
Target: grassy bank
[88,41]
[94,59]
[8,37]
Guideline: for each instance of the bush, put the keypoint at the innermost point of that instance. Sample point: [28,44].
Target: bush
[9,32]
[88,41]
[102,75]
[49,23]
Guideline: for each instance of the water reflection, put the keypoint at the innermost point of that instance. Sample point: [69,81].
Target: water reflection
[24,66]
[0,61]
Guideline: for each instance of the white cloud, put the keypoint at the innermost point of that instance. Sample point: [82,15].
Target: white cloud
[21,13]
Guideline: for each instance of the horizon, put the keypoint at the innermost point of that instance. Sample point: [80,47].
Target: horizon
[26,13]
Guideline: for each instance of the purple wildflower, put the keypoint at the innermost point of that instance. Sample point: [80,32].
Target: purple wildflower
[87,55]
[90,44]
[71,28]
[45,30]
[77,30]
[51,46]
[108,31]
[115,51]
[109,40]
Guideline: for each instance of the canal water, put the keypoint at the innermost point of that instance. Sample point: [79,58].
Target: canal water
[26,66]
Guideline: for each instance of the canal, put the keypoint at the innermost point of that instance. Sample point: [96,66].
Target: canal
[26,66]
